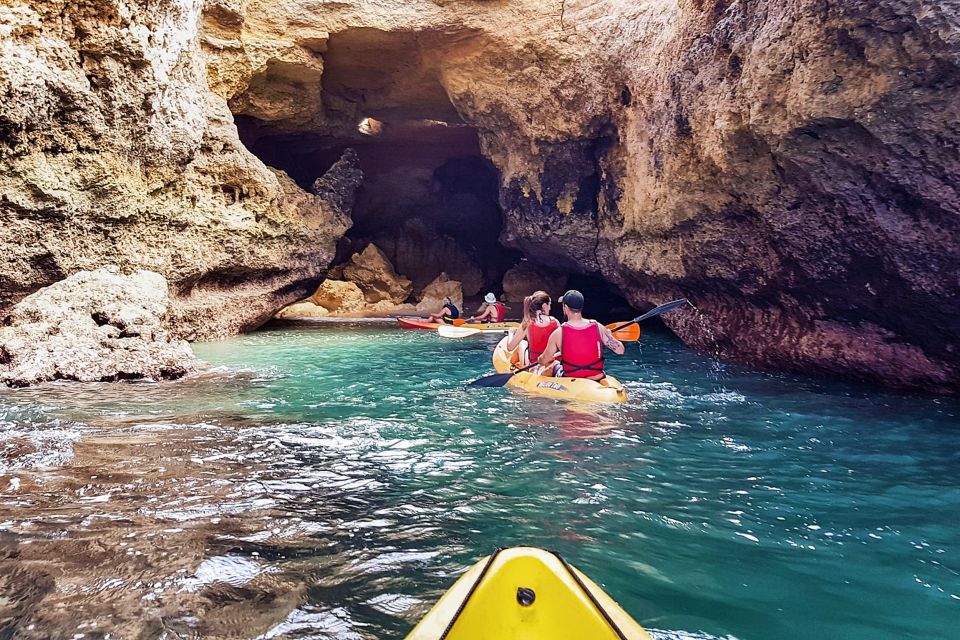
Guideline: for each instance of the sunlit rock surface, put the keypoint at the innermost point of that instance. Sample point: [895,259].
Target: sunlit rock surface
[114,151]
[93,326]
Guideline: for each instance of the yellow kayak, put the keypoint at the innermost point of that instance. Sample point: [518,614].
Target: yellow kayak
[526,593]
[609,390]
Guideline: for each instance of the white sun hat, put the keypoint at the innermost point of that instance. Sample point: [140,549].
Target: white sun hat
[490,298]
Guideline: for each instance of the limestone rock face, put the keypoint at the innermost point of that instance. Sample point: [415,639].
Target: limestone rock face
[303,309]
[432,297]
[372,272]
[339,296]
[790,167]
[114,151]
[93,326]
[525,278]
[419,253]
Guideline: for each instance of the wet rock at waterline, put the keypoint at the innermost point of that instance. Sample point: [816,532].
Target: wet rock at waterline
[305,309]
[93,326]
[339,295]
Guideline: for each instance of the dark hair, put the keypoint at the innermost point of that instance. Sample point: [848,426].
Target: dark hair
[533,304]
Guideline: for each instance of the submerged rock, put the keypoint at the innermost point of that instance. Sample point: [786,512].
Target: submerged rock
[93,326]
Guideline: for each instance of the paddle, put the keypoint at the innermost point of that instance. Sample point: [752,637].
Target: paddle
[631,333]
[500,379]
[447,331]
[656,311]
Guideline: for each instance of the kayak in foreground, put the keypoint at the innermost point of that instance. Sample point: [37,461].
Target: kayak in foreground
[526,593]
[609,390]
[422,323]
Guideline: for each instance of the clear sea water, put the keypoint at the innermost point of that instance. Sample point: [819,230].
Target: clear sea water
[331,482]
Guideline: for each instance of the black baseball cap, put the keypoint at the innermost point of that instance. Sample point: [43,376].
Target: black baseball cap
[573,299]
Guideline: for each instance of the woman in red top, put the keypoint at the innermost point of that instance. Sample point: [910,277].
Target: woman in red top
[536,328]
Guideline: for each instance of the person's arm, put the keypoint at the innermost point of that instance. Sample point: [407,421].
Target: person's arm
[478,313]
[609,341]
[517,336]
[552,349]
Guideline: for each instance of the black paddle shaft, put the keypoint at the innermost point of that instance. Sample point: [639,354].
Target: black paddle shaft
[656,311]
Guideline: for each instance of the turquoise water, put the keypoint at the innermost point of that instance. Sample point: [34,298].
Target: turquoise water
[350,475]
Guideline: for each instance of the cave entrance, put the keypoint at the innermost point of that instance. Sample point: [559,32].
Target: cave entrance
[429,199]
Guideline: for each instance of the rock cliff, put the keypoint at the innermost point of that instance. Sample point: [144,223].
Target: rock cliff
[791,167]
[113,150]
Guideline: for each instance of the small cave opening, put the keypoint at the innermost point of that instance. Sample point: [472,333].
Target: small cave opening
[429,199]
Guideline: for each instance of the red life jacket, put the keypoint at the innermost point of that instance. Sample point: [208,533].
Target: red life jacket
[538,335]
[582,351]
[501,312]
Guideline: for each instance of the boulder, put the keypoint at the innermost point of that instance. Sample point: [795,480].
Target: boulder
[340,296]
[93,326]
[525,278]
[303,309]
[373,273]
[431,299]
[420,252]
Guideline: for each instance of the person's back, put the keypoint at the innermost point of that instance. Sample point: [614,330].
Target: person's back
[493,311]
[579,342]
[581,349]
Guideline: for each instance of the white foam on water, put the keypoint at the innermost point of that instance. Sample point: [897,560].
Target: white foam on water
[335,623]
[660,634]
[45,449]
[235,571]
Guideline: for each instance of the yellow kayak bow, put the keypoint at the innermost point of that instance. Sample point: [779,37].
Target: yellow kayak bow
[526,593]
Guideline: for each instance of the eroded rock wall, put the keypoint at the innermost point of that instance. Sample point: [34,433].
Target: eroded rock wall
[114,151]
[788,166]
[791,167]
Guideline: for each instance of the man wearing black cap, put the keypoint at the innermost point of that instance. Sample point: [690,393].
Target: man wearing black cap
[579,343]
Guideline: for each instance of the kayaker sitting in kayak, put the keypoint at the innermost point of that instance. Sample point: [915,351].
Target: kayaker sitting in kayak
[536,327]
[493,311]
[447,314]
[579,343]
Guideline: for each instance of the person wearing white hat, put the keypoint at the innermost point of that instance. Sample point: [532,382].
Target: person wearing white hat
[491,311]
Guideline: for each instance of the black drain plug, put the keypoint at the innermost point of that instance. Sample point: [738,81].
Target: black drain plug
[525,596]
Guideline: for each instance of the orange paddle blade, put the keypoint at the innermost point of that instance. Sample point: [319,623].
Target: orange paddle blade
[459,321]
[629,333]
